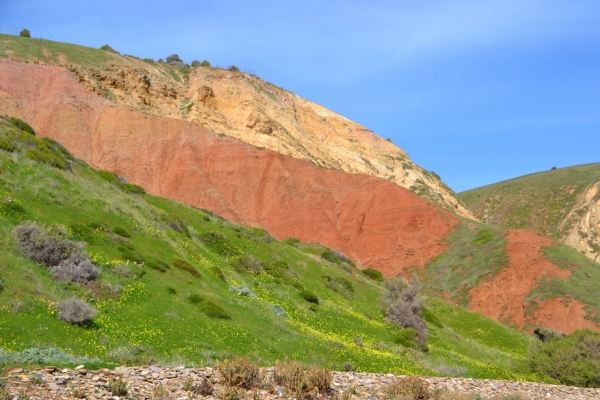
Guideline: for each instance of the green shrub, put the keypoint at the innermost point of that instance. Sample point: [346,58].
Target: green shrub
[430,317]
[45,157]
[121,232]
[408,337]
[108,48]
[12,211]
[25,33]
[186,266]
[339,284]
[22,125]
[218,272]
[246,263]
[209,308]
[574,360]
[205,64]
[158,265]
[131,188]
[373,274]
[219,243]
[309,296]
[291,241]
[233,68]
[6,145]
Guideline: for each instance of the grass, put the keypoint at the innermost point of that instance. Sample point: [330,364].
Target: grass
[475,254]
[537,201]
[581,285]
[148,314]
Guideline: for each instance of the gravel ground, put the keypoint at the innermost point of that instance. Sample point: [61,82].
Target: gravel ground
[154,382]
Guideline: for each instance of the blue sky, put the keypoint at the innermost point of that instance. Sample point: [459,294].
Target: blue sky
[477,91]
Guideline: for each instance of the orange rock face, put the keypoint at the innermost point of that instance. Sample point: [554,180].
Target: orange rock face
[370,219]
[503,297]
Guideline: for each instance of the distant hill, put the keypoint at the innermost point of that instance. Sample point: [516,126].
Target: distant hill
[561,203]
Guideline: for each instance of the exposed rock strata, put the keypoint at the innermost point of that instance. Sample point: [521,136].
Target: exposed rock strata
[245,107]
[372,220]
[503,298]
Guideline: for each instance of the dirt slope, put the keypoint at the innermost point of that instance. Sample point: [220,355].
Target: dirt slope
[371,219]
[504,298]
[242,106]
[563,204]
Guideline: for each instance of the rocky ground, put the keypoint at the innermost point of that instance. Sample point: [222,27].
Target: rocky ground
[186,383]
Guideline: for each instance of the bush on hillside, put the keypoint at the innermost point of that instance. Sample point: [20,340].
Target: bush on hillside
[546,334]
[108,48]
[573,360]
[402,306]
[25,33]
[233,68]
[75,311]
[205,64]
[309,296]
[64,258]
[176,62]
[246,263]
[209,308]
[185,266]
[219,243]
[373,274]
[22,125]
[76,268]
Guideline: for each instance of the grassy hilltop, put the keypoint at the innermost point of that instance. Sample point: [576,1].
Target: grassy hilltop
[539,201]
[179,284]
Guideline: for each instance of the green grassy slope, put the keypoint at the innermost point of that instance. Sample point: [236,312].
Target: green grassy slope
[144,299]
[538,201]
[477,253]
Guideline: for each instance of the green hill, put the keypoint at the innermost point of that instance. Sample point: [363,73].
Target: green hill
[540,201]
[181,285]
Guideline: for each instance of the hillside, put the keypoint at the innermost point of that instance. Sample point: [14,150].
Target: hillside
[370,219]
[519,278]
[562,203]
[238,105]
[181,285]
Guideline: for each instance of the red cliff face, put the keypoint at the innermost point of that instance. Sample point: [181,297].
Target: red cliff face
[370,219]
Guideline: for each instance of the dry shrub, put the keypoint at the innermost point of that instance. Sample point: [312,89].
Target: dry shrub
[75,311]
[403,306]
[64,258]
[408,387]
[302,383]
[205,388]
[239,372]
[76,268]
[231,393]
